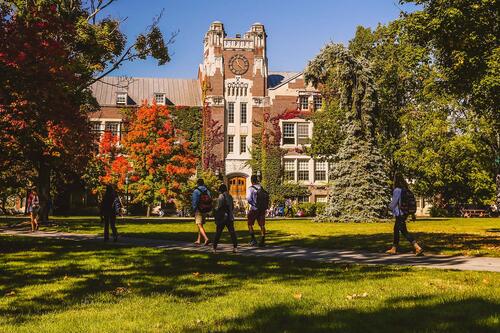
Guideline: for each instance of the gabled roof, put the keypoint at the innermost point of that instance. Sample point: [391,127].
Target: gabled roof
[183,92]
[277,79]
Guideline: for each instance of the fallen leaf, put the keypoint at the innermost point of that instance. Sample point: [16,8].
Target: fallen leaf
[12,293]
[297,296]
[199,321]
[485,281]
[196,274]
[349,297]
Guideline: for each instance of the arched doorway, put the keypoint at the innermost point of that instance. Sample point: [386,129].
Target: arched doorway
[238,187]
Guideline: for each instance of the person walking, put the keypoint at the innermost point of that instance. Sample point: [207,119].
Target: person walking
[258,200]
[201,202]
[33,205]
[110,207]
[399,207]
[224,217]
[288,206]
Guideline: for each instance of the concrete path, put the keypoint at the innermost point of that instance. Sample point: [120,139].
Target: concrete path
[292,252]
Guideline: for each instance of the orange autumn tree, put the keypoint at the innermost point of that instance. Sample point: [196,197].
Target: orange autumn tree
[161,158]
[108,166]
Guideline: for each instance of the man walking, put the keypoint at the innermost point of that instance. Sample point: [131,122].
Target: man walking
[202,204]
[258,200]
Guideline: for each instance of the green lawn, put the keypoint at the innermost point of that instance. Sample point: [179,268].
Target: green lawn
[457,236]
[66,286]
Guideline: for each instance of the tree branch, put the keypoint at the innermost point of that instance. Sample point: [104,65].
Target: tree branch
[99,7]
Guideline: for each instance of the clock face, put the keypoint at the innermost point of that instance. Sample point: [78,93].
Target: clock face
[238,64]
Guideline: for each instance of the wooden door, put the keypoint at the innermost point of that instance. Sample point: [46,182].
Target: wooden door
[238,187]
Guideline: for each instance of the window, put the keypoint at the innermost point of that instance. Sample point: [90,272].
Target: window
[243,144]
[288,133]
[95,126]
[321,198]
[320,171]
[303,134]
[230,113]
[121,98]
[230,144]
[160,99]
[112,126]
[304,170]
[302,199]
[304,102]
[318,102]
[243,111]
[289,169]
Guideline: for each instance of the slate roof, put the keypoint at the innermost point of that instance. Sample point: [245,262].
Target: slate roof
[183,92]
[277,79]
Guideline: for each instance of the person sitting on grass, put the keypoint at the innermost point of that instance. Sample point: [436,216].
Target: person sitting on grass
[224,217]
[201,203]
[399,209]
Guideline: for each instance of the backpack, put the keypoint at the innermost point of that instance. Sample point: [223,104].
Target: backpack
[262,199]
[205,203]
[408,202]
[117,206]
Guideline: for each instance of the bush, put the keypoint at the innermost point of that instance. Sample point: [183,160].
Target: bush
[309,208]
[438,212]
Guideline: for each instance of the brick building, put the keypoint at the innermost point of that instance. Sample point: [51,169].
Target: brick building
[238,86]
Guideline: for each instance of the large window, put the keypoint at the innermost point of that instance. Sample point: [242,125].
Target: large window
[318,102]
[288,133]
[296,133]
[95,126]
[113,127]
[121,98]
[320,171]
[304,102]
[243,144]
[289,168]
[230,144]
[230,113]
[321,198]
[243,113]
[304,170]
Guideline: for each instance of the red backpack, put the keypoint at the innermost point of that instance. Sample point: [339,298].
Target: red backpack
[205,203]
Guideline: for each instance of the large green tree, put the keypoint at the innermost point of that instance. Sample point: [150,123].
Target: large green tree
[359,190]
[462,36]
[52,51]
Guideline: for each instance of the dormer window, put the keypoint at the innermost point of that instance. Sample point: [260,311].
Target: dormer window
[121,98]
[160,98]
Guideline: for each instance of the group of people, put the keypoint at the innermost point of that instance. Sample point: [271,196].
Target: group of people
[258,201]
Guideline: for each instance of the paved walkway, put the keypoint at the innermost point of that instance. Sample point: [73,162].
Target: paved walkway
[292,252]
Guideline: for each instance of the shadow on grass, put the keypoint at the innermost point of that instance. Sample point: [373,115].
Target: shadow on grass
[425,315]
[67,273]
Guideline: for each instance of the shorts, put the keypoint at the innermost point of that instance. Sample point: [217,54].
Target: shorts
[256,215]
[200,218]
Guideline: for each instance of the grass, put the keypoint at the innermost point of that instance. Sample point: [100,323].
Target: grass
[453,236]
[66,286]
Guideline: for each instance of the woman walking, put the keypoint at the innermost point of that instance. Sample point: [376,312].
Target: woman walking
[33,209]
[398,210]
[224,217]
[110,207]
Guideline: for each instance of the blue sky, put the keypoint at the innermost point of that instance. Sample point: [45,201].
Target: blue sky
[297,29]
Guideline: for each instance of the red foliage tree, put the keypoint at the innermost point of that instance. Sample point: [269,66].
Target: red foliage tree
[159,154]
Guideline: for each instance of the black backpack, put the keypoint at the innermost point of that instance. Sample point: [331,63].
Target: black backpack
[408,202]
[263,199]
[205,203]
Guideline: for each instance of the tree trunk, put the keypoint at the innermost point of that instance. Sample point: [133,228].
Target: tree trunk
[148,211]
[43,190]
[498,191]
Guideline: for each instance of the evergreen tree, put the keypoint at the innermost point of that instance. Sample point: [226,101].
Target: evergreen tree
[359,186]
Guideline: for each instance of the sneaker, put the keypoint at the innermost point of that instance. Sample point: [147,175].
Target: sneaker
[419,252]
[253,242]
[392,250]
[262,242]
[235,250]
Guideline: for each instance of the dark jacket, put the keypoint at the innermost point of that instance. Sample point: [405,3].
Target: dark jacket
[224,210]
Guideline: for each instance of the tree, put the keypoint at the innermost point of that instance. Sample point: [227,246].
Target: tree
[359,190]
[462,36]
[160,156]
[52,51]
